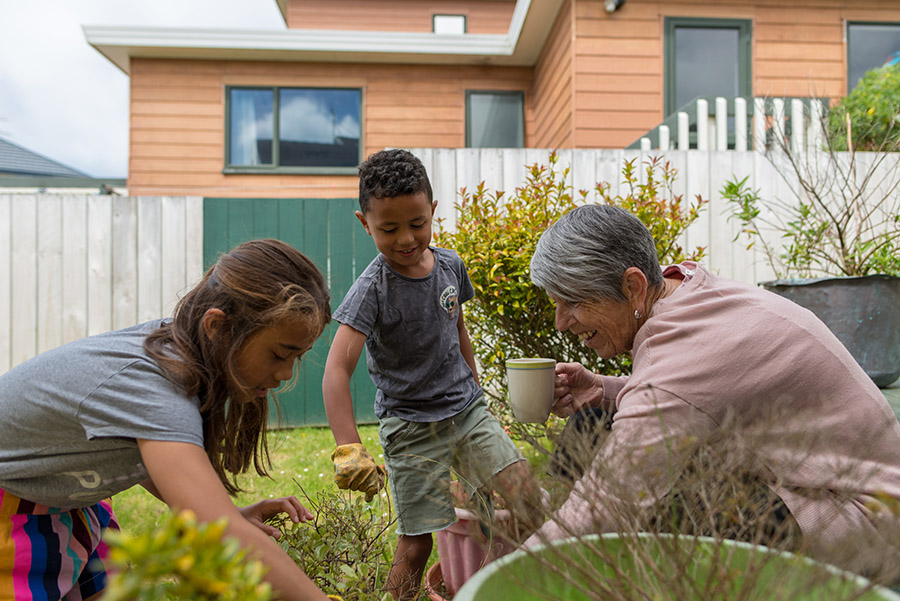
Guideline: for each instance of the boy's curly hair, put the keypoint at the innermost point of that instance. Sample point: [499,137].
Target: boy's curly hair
[391,173]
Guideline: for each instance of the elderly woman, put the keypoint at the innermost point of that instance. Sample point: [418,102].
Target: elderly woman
[712,356]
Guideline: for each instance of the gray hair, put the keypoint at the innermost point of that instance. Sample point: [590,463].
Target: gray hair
[583,256]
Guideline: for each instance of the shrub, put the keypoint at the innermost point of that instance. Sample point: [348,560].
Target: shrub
[496,236]
[872,110]
[183,559]
[345,550]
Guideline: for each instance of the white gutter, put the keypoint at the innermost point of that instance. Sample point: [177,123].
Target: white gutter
[528,29]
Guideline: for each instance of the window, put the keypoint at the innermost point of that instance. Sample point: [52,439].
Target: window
[454,24]
[870,45]
[495,119]
[293,129]
[705,57]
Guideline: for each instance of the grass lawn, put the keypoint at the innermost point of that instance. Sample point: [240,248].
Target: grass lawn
[302,454]
[300,458]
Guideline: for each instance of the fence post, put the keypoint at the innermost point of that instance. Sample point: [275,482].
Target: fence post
[797,123]
[759,124]
[740,124]
[684,133]
[664,137]
[702,124]
[721,124]
[815,138]
[778,122]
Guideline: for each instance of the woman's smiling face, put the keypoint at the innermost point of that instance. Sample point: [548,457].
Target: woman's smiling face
[606,326]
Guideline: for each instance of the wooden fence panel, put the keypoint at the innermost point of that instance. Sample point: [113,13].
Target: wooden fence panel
[76,265]
[326,231]
[702,172]
[6,226]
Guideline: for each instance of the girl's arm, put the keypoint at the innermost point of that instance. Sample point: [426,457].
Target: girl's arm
[342,358]
[465,345]
[259,512]
[185,479]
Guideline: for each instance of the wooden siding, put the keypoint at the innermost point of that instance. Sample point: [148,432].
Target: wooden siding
[598,83]
[797,50]
[552,91]
[177,141]
[482,16]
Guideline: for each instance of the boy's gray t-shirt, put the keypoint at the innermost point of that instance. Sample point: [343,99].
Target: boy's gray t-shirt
[70,417]
[412,340]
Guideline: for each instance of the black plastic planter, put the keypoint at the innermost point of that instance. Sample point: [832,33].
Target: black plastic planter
[863,312]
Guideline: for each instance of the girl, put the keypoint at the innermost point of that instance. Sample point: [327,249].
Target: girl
[179,406]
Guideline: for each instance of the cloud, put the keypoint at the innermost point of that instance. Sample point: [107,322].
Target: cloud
[62,99]
[306,119]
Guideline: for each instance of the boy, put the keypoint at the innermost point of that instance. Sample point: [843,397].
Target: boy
[406,307]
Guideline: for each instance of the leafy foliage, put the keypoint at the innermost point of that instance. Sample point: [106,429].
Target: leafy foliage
[183,559]
[869,112]
[496,235]
[840,213]
[829,230]
[345,550]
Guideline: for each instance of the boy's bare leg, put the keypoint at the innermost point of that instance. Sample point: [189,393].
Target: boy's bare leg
[524,498]
[410,559]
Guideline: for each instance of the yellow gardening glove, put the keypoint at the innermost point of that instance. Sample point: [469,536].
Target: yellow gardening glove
[335,597]
[354,469]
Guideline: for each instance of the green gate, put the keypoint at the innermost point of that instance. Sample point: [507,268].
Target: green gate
[326,231]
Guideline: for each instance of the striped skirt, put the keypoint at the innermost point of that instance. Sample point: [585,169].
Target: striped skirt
[47,554]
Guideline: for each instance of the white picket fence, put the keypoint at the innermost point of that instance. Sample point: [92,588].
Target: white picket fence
[75,265]
[793,122]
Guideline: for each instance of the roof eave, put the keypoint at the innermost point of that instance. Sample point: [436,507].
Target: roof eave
[520,46]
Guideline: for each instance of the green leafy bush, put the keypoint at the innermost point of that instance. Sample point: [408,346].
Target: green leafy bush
[183,559]
[872,109]
[496,236]
[345,550]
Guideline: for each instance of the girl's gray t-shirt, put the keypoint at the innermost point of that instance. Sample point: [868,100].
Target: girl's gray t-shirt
[412,337]
[70,417]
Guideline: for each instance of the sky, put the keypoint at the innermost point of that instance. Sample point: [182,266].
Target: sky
[60,98]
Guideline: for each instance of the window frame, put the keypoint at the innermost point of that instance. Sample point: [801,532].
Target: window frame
[745,53]
[847,37]
[519,93]
[275,167]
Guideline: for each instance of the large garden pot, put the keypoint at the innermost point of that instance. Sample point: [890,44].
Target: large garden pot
[657,566]
[463,548]
[863,312]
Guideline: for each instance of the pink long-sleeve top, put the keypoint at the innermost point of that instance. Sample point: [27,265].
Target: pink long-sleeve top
[717,351]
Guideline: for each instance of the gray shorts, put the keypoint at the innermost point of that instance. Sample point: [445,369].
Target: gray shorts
[419,455]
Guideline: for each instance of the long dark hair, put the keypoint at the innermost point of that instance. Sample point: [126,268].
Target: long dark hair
[257,285]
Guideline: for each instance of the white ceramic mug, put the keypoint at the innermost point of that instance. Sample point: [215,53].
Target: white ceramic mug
[530,383]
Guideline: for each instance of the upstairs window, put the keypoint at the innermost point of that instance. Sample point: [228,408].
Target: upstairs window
[495,119]
[453,24]
[705,57]
[293,129]
[870,45]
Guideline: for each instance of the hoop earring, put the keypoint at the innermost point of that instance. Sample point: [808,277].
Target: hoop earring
[637,315]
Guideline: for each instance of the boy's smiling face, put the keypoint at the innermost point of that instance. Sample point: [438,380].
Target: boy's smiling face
[401,229]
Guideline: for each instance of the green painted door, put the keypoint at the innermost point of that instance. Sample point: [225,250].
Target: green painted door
[326,231]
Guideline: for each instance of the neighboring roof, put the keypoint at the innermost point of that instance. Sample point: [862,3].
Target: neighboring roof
[15,160]
[520,46]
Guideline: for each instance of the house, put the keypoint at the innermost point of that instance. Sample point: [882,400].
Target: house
[22,170]
[290,113]
[269,126]
[18,161]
